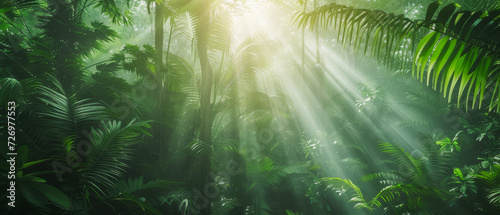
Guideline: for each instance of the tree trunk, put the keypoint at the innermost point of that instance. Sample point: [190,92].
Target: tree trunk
[304,47]
[206,92]
[158,36]
[206,75]
[158,68]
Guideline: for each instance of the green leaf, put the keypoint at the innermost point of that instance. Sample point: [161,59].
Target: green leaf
[29,196]
[11,90]
[53,194]
[462,19]
[458,173]
[449,64]
[452,72]
[22,154]
[424,48]
[426,52]
[481,26]
[431,10]
[437,55]
[445,13]
[26,165]
[32,179]
[467,29]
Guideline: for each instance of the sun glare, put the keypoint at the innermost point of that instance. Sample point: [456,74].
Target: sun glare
[250,107]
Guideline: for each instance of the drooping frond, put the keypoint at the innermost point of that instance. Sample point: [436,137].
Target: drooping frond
[225,206]
[65,115]
[344,185]
[409,165]
[220,32]
[389,194]
[105,87]
[491,181]
[361,28]
[426,101]
[255,54]
[113,10]
[396,192]
[111,148]
[479,4]
[153,192]
[265,173]
[10,89]
[200,148]
[180,72]
[385,178]
[461,51]
[8,8]
[457,55]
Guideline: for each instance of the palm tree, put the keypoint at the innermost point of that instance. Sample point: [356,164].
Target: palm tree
[88,143]
[457,55]
[89,150]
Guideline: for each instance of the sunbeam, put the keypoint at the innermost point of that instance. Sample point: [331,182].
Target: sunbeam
[250,107]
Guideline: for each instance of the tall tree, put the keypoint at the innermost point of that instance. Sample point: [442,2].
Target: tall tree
[206,90]
[159,5]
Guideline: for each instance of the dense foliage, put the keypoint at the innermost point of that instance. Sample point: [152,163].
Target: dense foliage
[250,107]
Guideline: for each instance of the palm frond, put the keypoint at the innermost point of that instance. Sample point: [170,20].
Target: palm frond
[396,192]
[224,207]
[154,192]
[412,123]
[111,148]
[362,28]
[425,100]
[200,148]
[180,72]
[105,87]
[344,185]
[220,32]
[385,178]
[264,173]
[7,6]
[491,181]
[10,90]
[65,115]
[411,166]
[31,189]
[457,56]
[255,54]
[388,194]
[479,4]
[112,9]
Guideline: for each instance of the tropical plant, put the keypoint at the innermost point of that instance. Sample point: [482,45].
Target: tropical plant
[454,52]
[169,107]
[490,180]
[415,185]
[32,188]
